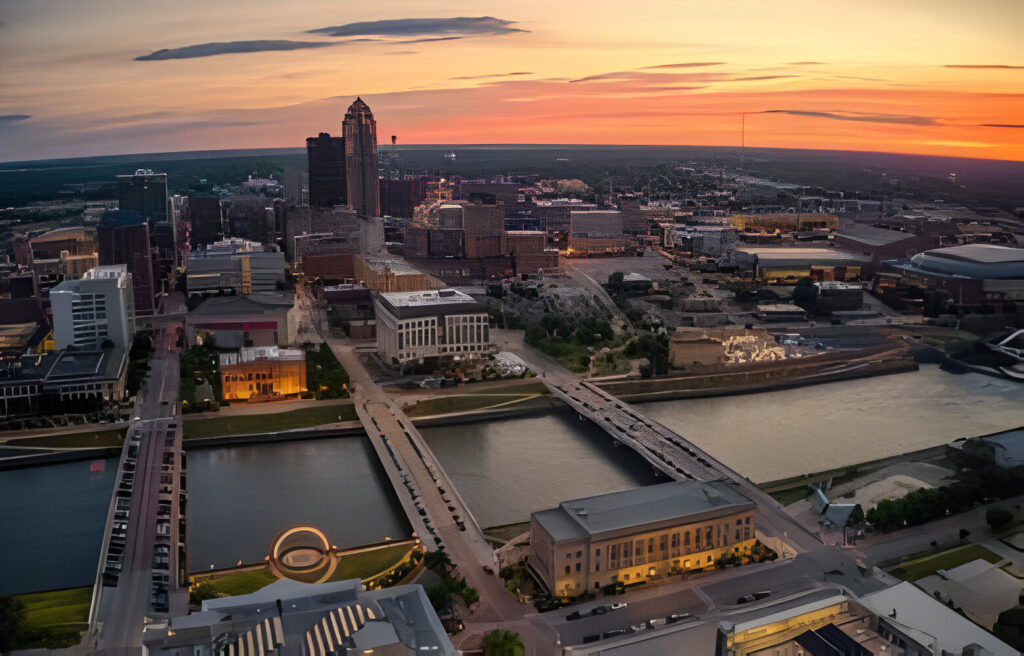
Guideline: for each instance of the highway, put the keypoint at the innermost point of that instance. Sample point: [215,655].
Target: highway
[140,560]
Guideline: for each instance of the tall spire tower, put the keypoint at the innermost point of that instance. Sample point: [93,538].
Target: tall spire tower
[361,174]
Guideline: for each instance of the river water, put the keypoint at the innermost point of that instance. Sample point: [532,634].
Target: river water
[240,497]
[51,517]
[51,524]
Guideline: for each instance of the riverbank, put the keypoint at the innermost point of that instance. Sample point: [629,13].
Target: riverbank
[461,407]
[890,357]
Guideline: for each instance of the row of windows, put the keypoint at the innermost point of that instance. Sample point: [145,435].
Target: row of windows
[18,390]
[259,375]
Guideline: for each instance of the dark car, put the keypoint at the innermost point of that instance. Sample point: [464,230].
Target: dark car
[575,615]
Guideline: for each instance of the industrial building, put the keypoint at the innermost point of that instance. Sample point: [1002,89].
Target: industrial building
[597,231]
[289,618]
[772,264]
[392,274]
[263,373]
[235,265]
[784,222]
[445,323]
[643,534]
[95,311]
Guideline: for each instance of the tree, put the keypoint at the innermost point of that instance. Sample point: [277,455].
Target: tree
[502,643]
[469,595]
[615,280]
[805,294]
[997,518]
[12,614]
[201,592]
[440,599]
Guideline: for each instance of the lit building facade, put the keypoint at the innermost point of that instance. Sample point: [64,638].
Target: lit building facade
[637,535]
[413,326]
[235,265]
[263,372]
[94,310]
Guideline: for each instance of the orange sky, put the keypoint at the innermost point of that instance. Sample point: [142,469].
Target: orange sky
[914,76]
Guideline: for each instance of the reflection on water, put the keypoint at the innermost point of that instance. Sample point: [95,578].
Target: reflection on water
[507,468]
[241,497]
[51,524]
[775,435]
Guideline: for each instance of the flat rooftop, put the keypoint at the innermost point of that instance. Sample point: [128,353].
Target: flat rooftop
[426,298]
[873,236]
[632,509]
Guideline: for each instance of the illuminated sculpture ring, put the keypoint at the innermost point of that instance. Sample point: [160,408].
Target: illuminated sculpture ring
[302,553]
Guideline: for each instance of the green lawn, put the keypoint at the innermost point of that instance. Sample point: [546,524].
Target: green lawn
[55,619]
[361,565]
[238,583]
[494,396]
[73,440]
[918,568]
[365,564]
[269,423]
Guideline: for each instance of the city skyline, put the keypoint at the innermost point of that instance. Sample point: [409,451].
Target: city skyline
[909,79]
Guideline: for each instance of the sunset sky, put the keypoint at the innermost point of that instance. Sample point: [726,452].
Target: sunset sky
[94,77]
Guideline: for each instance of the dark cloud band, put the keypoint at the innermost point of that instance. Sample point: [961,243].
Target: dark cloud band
[230,48]
[13,118]
[403,27]
[864,118]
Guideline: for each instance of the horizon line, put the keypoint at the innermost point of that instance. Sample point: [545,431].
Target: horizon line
[507,145]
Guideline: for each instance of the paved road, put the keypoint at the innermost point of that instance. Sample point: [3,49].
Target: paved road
[120,614]
[467,548]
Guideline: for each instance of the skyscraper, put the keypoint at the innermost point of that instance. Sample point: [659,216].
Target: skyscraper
[361,174]
[145,192]
[326,159]
[123,238]
[94,310]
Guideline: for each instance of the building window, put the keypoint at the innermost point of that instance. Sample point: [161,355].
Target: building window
[675,540]
[597,566]
[568,555]
[567,569]
[737,535]
[579,554]
[578,567]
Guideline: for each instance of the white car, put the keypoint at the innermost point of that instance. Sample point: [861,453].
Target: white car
[619,604]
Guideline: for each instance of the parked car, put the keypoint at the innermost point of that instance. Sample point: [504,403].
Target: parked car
[618,605]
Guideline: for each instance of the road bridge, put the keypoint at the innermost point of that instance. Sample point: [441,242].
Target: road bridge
[142,566]
[670,454]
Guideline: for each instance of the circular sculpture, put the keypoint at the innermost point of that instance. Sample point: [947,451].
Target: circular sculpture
[302,553]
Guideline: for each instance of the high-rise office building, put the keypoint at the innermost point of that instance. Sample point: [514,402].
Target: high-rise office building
[145,192]
[360,130]
[204,215]
[95,311]
[326,180]
[123,238]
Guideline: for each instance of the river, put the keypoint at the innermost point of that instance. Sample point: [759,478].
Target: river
[240,497]
[51,517]
[51,524]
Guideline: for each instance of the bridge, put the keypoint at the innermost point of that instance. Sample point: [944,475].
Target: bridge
[142,566]
[668,453]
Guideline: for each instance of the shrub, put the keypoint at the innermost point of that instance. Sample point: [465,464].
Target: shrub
[964,533]
[469,595]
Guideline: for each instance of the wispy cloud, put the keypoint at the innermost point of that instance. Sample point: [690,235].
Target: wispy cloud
[805,63]
[490,75]
[401,27]
[1002,125]
[755,78]
[13,118]
[995,66]
[683,65]
[230,48]
[859,117]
